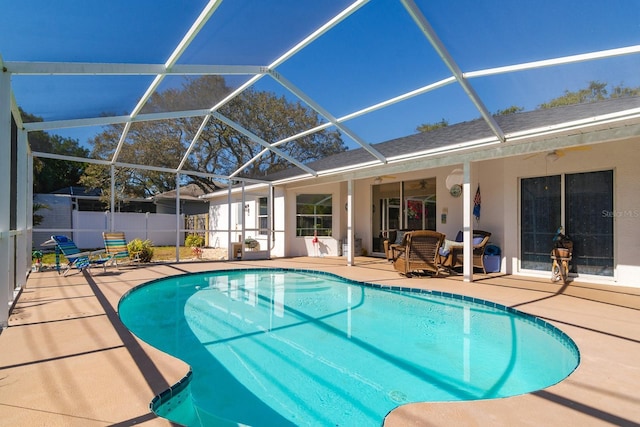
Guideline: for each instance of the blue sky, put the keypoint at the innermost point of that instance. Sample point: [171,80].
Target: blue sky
[376,54]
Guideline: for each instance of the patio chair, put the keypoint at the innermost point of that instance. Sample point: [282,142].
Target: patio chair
[115,245]
[453,256]
[419,252]
[76,258]
[394,238]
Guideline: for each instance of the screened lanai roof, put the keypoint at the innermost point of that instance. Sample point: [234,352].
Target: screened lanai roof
[374,70]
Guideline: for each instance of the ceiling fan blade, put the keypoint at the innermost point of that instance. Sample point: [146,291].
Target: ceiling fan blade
[578,148]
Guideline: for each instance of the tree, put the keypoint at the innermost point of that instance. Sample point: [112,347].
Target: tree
[595,91]
[220,149]
[51,174]
[510,110]
[38,218]
[428,127]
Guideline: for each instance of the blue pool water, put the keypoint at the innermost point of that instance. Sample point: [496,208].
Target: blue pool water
[281,347]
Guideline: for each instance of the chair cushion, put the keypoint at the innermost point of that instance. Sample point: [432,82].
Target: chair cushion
[459,236]
[477,240]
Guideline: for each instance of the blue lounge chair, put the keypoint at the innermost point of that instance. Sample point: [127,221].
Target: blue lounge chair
[75,258]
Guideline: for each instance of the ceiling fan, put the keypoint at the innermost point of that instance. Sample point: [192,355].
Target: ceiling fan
[378,179]
[560,152]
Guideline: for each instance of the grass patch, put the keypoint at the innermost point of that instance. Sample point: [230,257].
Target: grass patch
[160,253]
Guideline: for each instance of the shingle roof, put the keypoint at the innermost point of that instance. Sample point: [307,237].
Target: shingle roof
[466,132]
[189,192]
[79,192]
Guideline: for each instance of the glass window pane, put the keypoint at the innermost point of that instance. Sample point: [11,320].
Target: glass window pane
[314,215]
[541,216]
[263,216]
[589,213]
[420,204]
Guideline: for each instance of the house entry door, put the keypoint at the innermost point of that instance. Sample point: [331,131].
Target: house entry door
[390,214]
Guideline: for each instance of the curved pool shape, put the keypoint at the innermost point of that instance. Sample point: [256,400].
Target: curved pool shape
[296,347]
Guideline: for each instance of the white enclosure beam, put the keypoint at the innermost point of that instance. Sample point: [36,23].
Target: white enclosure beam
[288,54]
[442,51]
[397,99]
[6,264]
[320,31]
[351,222]
[318,109]
[178,217]
[103,121]
[24,209]
[112,197]
[111,69]
[467,224]
[256,138]
[358,113]
[197,25]
[563,60]
[196,137]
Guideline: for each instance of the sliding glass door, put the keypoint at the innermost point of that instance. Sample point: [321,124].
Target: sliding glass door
[403,205]
[581,202]
[588,205]
[540,217]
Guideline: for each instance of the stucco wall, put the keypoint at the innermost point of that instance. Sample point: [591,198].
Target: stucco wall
[499,184]
[624,159]
[327,245]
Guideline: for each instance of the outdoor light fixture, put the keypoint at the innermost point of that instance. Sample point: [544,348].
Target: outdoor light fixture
[553,156]
[454,178]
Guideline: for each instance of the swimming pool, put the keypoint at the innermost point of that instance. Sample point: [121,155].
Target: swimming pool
[297,347]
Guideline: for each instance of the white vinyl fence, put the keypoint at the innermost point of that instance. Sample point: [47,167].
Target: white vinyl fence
[87,227]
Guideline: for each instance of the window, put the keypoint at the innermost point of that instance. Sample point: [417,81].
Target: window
[263,211]
[584,204]
[313,214]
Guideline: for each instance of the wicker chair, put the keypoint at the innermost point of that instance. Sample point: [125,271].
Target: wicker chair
[455,257]
[419,252]
[395,238]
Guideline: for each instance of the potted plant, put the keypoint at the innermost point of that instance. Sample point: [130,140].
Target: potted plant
[36,256]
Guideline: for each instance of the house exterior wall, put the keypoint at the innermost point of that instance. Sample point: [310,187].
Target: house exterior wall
[223,231]
[623,158]
[499,181]
[327,245]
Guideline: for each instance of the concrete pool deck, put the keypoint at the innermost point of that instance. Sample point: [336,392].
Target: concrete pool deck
[66,360]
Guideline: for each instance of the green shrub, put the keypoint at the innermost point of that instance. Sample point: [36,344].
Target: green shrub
[194,241]
[142,248]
